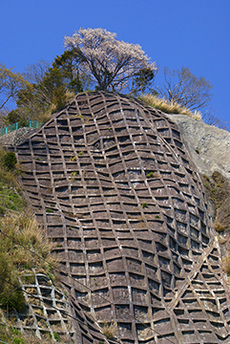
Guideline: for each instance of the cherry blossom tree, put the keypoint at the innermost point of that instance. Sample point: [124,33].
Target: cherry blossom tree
[112,64]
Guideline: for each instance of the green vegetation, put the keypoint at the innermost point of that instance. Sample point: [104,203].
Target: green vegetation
[10,192]
[20,236]
[11,335]
[49,210]
[144,205]
[74,173]
[10,84]
[149,175]
[153,175]
[73,158]
[10,160]
[57,337]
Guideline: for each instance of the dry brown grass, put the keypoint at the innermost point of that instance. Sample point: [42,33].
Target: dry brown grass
[164,105]
[27,236]
[226,265]
[218,227]
[109,330]
[20,239]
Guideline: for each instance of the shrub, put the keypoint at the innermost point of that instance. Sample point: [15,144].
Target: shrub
[218,227]
[10,160]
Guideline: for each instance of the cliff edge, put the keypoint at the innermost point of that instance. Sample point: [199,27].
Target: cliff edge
[208,146]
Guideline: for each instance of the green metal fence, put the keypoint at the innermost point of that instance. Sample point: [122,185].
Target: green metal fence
[28,123]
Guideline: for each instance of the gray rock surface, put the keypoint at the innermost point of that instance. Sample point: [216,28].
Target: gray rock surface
[208,146]
[16,137]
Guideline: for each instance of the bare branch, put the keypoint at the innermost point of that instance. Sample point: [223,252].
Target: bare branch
[186,89]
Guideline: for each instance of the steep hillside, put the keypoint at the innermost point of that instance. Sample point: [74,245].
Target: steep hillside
[208,146]
[116,191]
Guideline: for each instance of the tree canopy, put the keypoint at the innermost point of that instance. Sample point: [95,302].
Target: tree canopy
[10,83]
[95,59]
[110,63]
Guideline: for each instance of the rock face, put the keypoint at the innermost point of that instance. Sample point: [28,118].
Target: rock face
[209,146]
[16,137]
[112,184]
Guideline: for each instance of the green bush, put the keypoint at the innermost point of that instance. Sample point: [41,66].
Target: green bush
[10,160]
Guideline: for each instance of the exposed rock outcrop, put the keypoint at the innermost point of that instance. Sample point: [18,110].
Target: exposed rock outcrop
[115,189]
[209,146]
[16,137]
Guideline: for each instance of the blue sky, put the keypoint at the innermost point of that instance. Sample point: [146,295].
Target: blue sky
[174,33]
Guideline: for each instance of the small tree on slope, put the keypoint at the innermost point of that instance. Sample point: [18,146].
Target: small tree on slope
[108,62]
[184,88]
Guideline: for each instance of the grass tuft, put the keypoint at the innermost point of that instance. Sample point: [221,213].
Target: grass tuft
[164,105]
[109,330]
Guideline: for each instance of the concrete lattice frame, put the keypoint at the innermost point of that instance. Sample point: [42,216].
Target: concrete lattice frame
[114,187]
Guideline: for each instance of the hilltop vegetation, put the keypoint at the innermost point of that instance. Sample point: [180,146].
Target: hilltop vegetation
[95,60]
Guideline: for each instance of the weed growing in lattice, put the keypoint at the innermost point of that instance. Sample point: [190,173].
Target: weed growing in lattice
[144,205]
[109,330]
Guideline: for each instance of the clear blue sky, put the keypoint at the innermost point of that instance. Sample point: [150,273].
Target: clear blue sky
[174,33]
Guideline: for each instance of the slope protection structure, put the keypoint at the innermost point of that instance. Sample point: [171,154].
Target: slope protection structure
[111,182]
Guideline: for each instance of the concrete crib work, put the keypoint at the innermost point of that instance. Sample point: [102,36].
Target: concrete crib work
[114,187]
